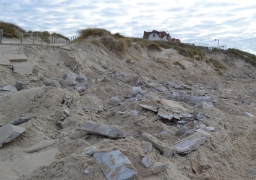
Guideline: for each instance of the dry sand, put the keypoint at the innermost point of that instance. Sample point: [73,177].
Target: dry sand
[229,152]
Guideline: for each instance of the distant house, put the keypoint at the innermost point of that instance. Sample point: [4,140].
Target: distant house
[175,40]
[157,36]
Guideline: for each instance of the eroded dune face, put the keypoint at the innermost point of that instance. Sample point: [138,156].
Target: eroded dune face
[90,112]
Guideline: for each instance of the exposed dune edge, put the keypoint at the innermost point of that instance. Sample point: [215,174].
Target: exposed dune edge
[172,98]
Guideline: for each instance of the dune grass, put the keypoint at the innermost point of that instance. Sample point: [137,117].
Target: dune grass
[247,57]
[11,30]
[218,66]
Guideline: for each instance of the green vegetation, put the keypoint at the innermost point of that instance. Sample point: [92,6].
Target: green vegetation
[60,36]
[177,63]
[248,57]
[11,30]
[154,47]
[218,66]
[85,33]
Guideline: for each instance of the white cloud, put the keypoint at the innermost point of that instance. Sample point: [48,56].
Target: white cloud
[231,21]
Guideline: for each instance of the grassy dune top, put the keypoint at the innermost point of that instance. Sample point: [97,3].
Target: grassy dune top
[11,30]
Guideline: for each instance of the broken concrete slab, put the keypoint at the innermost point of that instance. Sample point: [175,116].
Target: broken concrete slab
[89,151]
[212,129]
[8,88]
[173,104]
[249,114]
[165,115]
[203,132]
[66,48]
[23,68]
[150,108]
[21,120]
[115,165]
[81,88]
[16,57]
[146,146]
[9,132]
[27,164]
[81,78]
[164,149]
[154,169]
[20,85]
[146,162]
[115,101]
[40,145]
[186,146]
[181,131]
[4,60]
[104,130]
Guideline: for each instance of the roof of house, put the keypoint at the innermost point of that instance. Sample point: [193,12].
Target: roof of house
[161,34]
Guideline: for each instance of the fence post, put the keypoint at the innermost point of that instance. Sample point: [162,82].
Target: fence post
[21,34]
[1,35]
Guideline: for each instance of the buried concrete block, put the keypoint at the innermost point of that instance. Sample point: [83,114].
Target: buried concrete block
[23,68]
[8,88]
[150,108]
[153,169]
[164,149]
[146,162]
[40,145]
[115,165]
[9,132]
[21,120]
[104,130]
[165,115]
[115,101]
[89,151]
[146,146]
[81,78]
[16,57]
[4,60]
[20,85]
[188,145]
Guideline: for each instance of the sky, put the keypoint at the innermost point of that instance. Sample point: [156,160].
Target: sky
[232,22]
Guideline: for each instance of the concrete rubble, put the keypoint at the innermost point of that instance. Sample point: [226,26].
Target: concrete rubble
[9,132]
[115,165]
[162,148]
[186,146]
[104,130]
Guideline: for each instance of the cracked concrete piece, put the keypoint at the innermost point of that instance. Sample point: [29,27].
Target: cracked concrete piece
[23,68]
[164,149]
[41,145]
[165,115]
[146,162]
[27,164]
[155,168]
[104,130]
[146,146]
[9,132]
[9,88]
[89,151]
[150,108]
[16,57]
[4,60]
[188,145]
[115,165]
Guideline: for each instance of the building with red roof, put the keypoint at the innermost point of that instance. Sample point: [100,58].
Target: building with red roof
[159,36]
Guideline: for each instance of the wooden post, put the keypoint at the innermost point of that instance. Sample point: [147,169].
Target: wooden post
[21,34]
[1,35]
